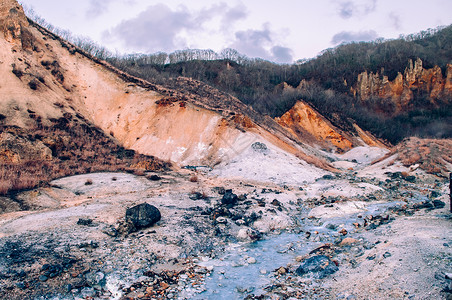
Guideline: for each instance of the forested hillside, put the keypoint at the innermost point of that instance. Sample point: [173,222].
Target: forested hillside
[328,82]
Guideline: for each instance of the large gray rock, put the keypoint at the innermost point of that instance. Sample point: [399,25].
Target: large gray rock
[142,215]
[318,266]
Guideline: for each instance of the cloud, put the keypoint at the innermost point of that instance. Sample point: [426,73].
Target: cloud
[356,8]
[160,28]
[349,36]
[99,7]
[252,42]
[260,43]
[228,15]
[346,10]
[233,15]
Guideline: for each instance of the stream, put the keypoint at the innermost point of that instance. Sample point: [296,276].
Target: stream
[248,268]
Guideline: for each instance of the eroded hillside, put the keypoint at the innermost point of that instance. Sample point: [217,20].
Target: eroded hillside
[47,78]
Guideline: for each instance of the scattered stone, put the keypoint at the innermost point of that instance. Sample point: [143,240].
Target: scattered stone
[195,196]
[348,241]
[142,216]
[88,292]
[249,234]
[97,280]
[21,285]
[220,190]
[281,271]
[260,202]
[221,220]
[85,222]
[318,266]
[438,203]
[434,194]
[410,178]
[90,244]
[229,198]
[331,226]
[111,231]
[275,203]
[251,260]
[343,231]
[154,177]
[259,147]
[424,204]
[328,177]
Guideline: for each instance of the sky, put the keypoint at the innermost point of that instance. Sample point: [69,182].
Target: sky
[282,31]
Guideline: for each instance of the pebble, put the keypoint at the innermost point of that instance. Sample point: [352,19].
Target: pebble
[43,278]
[21,285]
[251,260]
[88,292]
[263,271]
[348,241]
[221,220]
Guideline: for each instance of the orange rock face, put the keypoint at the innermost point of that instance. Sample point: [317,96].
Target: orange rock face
[400,90]
[303,119]
[13,23]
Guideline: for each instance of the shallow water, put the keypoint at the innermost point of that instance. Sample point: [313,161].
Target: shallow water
[234,278]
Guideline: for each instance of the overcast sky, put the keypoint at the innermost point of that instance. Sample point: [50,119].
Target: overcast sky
[278,30]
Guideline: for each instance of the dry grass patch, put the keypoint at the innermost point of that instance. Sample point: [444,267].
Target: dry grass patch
[432,155]
[77,148]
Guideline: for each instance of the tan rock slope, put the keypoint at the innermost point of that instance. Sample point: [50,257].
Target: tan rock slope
[44,78]
[307,124]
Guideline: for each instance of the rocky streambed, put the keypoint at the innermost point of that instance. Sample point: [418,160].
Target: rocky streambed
[338,237]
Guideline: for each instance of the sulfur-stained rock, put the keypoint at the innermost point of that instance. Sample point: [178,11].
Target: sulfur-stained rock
[400,90]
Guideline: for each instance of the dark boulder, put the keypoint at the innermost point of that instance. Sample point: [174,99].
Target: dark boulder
[328,177]
[142,215]
[410,178]
[229,198]
[260,147]
[438,203]
[154,177]
[318,266]
[85,222]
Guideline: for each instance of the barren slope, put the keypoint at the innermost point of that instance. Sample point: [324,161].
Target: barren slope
[50,77]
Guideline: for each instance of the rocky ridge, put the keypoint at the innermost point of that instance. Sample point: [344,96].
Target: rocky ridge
[415,79]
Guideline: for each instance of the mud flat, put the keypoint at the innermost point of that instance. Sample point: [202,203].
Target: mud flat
[372,232]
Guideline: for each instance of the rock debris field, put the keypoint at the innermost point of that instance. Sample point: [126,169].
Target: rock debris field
[239,231]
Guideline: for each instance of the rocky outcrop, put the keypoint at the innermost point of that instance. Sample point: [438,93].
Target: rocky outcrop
[401,90]
[15,149]
[306,123]
[14,24]
[186,121]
